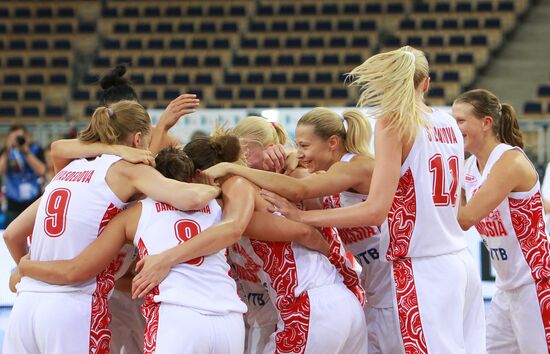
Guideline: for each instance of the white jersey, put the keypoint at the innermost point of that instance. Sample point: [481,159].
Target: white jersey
[514,233]
[202,284]
[261,312]
[422,220]
[364,242]
[75,207]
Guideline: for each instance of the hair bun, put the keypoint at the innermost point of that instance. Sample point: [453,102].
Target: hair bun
[227,147]
[114,78]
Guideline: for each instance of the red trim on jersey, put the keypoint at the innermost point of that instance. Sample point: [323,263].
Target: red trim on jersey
[528,222]
[410,323]
[100,334]
[280,265]
[343,265]
[402,217]
[149,310]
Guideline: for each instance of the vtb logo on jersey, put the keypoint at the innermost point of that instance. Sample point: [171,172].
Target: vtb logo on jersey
[470,178]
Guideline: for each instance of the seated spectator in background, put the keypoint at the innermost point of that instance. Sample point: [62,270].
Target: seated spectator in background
[22,163]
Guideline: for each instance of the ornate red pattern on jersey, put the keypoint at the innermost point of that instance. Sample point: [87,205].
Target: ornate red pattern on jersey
[407,306]
[343,265]
[348,234]
[100,335]
[528,222]
[248,271]
[402,217]
[280,266]
[149,310]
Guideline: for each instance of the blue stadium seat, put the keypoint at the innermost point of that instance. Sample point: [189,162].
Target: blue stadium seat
[62,44]
[221,43]
[265,10]
[449,24]
[58,79]
[367,25]
[137,79]
[263,60]
[330,59]
[271,43]
[159,79]
[190,61]
[109,12]
[20,28]
[395,8]
[315,93]
[407,24]
[170,94]
[143,28]
[207,27]
[249,43]
[15,62]
[111,44]
[229,27]
[155,44]
[64,28]
[237,10]
[323,77]
[255,78]
[442,58]
[293,42]
[428,24]
[212,61]
[373,8]
[465,58]
[338,42]
[506,6]
[7,112]
[323,26]
[479,40]
[203,79]
[33,96]
[134,44]
[44,12]
[329,9]
[345,26]
[287,9]
[22,12]
[181,79]
[81,95]
[300,78]
[60,62]
[164,27]
[12,79]
[130,12]
[301,26]
[339,93]
[392,41]
[18,45]
[173,11]
[353,59]
[168,62]
[444,7]
[186,27]
[458,40]
[351,9]
[257,26]
[435,41]
[216,11]
[292,93]
[492,23]
[42,28]
[308,60]
[199,44]
[470,23]
[232,78]
[149,95]
[194,11]
[270,94]
[152,11]
[35,79]
[90,79]
[121,28]
[436,92]
[451,76]
[241,60]
[532,107]
[223,94]
[484,6]
[316,42]
[177,44]
[245,93]
[308,9]
[415,41]
[421,7]
[53,111]
[279,26]
[30,111]
[463,6]
[65,12]
[146,62]
[277,78]
[9,96]
[544,91]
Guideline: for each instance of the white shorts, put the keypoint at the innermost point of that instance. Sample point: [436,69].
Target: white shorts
[56,323]
[515,322]
[327,320]
[439,304]
[257,338]
[383,327]
[127,325]
[178,329]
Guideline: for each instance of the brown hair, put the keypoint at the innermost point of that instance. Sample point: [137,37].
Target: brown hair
[114,124]
[174,163]
[505,121]
[207,151]
[352,127]
[389,82]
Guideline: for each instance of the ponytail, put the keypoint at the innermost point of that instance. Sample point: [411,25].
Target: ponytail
[505,123]
[114,124]
[280,132]
[261,130]
[352,127]
[389,81]
[207,151]
[509,127]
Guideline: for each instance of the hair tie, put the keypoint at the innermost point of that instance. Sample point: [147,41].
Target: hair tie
[344,121]
[499,108]
[274,124]
[110,112]
[411,55]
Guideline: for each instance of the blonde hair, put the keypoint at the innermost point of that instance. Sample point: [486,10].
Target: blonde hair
[389,81]
[356,136]
[114,124]
[261,130]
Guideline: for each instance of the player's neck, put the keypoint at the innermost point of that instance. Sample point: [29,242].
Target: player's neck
[483,154]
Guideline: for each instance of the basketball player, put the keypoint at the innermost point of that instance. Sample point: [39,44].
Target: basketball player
[414,195]
[504,203]
[339,145]
[76,205]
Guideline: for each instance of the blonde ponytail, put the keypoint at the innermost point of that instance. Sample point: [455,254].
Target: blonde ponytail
[261,130]
[352,127]
[100,128]
[389,81]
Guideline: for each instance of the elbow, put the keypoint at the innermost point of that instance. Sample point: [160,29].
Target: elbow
[465,224]
[55,148]
[235,232]
[72,276]
[378,217]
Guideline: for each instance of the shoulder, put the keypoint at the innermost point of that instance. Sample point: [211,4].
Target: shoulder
[358,165]
[236,182]
[514,163]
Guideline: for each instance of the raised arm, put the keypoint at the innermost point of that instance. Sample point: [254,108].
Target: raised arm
[339,177]
[511,173]
[93,259]
[66,150]
[238,207]
[15,236]
[384,182]
[184,196]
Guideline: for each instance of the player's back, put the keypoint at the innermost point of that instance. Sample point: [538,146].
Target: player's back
[423,217]
[203,283]
[75,207]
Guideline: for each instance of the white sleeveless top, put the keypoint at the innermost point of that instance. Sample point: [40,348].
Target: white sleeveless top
[203,283]
[514,233]
[75,207]
[423,217]
[364,243]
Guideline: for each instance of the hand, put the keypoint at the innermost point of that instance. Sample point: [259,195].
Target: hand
[152,270]
[211,175]
[180,106]
[292,162]
[281,205]
[134,155]
[274,158]
[15,278]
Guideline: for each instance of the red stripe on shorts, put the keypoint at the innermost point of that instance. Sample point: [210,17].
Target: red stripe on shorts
[149,310]
[410,323]
[402,217]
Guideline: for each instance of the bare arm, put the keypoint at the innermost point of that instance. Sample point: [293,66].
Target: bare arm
[512,172]
[339,177]
[182,105]
[184,196]
[66,150]
[238,198]
[4,161]
[285,230]
[15,236]
[93,259]
[384,182]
